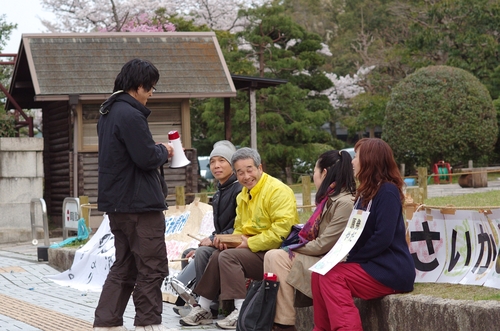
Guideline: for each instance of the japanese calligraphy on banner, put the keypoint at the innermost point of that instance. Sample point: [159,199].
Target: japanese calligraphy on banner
[456,246]
[346,242]
[92,262]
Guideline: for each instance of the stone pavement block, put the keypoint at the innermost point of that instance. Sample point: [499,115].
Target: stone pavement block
[10,324]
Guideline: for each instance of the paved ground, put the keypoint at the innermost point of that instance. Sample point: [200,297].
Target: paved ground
[30,302]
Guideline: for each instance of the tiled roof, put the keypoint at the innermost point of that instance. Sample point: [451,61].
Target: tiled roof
[190,63]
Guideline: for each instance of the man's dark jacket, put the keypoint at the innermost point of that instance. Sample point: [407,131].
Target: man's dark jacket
[129,180]
[224,206]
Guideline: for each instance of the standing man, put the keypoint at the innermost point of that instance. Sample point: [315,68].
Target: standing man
[266,210]
[132,192]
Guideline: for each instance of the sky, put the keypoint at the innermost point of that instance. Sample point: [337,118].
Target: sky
[27,14]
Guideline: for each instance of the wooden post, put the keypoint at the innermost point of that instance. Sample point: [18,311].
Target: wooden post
[203,197]
[479,177]
[402,170]
[253,118]
[306,192]
[422,181]
[416,194]
[180,198]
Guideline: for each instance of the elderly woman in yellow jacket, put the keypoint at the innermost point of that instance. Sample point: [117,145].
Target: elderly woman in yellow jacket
[266,210]
[335,185]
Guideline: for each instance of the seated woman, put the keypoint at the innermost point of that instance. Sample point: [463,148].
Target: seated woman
[379,263]
[335,185]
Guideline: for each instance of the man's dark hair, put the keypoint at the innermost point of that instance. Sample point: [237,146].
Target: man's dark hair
[136,73]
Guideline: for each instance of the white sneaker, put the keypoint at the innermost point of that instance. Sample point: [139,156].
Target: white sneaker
[156,327]
[110,328]
[197,316]
[182,310]
[229,322]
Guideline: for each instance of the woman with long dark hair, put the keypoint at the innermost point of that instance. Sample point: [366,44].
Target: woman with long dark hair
[379,263]
[335,185]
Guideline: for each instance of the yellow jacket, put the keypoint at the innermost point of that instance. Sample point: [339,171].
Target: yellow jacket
[268,215]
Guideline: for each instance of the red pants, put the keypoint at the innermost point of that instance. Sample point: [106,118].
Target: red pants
[333,294]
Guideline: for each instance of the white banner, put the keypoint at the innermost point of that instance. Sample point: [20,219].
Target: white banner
[456,246]
[92,262]
[344,244]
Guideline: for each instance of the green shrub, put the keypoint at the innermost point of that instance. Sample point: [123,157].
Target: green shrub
[440,113]
[7,125]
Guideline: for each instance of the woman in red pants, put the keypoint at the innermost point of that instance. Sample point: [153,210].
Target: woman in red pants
[380,262]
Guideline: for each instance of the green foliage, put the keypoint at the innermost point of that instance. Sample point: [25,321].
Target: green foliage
[181,24]
[459,33]
[7,125]
[440,113]
[288,125]
[367,111]
[5,70]
[281,47]
[289,118]
[5,31]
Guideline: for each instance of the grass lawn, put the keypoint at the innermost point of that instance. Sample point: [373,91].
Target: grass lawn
[485,199]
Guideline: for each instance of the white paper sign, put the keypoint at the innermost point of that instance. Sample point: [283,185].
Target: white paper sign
[346,242]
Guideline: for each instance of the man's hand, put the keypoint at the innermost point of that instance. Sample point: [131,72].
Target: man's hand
[205,242]
[170,149]
[217,244]
[190,254]
[244,242]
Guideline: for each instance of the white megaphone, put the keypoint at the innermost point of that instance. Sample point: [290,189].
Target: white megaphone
[179,159]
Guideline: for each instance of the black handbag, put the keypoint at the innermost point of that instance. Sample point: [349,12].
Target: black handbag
[259,307]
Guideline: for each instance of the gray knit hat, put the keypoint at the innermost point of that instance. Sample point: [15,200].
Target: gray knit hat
[223,148]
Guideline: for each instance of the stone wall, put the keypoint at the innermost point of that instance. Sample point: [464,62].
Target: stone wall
[21,179]
[411,312]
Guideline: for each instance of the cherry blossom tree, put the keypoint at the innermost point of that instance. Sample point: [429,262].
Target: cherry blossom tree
[345,87]
[216,14]
[145,23]
[92,15]
[113,15]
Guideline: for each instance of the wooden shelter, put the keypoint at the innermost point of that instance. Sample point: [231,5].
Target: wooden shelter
[69,75]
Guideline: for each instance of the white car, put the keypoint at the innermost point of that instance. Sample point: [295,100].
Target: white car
[204,162]
[350,151]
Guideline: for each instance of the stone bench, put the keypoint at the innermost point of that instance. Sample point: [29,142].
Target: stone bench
[397,312]
[408,312]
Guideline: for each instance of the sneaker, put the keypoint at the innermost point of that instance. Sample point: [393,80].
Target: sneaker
[156,327]
[197,316]
[182,310]
[230,321]
[110,328]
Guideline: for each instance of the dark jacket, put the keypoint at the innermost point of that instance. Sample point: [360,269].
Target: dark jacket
[224,206]
[382,250]
[129,180]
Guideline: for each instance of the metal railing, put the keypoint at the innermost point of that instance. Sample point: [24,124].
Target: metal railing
[45,221]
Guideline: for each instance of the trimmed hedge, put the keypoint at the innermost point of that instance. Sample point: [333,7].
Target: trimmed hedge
[440,113]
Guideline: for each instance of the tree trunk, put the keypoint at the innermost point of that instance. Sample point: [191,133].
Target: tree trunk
[288,172]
